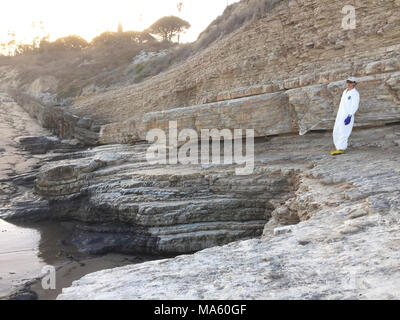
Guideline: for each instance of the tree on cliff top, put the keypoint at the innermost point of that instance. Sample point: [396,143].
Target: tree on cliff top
[169,27]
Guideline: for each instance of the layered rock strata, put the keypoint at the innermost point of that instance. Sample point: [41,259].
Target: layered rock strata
[344,246]
[288,111]
[287,66]
[176,209]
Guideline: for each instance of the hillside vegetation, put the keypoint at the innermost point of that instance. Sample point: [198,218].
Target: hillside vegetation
[117,59]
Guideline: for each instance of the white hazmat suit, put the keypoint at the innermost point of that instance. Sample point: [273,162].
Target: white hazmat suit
[348,107]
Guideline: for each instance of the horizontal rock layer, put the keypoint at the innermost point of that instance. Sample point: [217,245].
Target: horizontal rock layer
[344,245]
[290,111]
[177,209]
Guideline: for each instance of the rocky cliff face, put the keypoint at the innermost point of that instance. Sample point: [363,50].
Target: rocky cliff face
[292,61]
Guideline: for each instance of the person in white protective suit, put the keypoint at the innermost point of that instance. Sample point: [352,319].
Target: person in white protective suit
[345,116]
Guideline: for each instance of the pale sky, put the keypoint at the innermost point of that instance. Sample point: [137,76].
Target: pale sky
[89,18]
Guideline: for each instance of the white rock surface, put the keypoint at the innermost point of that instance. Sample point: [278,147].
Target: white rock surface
[329,266]
[145,56]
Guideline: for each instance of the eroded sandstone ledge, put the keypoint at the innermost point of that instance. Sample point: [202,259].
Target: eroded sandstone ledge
[344,246]
[288,111]
[173,209]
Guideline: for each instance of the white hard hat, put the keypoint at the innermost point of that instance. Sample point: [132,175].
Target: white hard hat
[352,79]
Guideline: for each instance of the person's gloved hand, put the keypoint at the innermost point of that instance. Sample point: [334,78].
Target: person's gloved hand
[347,120]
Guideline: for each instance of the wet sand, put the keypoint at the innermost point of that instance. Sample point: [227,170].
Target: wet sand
[74,270]
[19,259]
[25,249]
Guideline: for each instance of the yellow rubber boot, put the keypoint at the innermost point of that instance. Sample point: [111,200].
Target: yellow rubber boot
[336,152]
